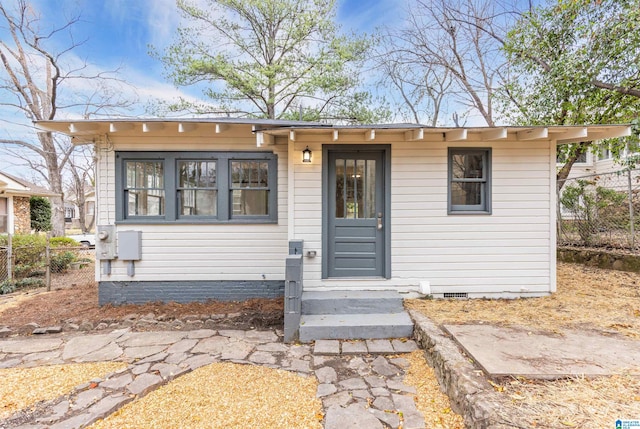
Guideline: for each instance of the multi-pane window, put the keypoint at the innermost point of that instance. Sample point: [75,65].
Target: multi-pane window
[4,215]
[249,188]
[469,180]
[196,187]
[144,190]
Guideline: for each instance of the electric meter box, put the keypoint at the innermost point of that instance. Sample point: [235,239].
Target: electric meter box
[106,242]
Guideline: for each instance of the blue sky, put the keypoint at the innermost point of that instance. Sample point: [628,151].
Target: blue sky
[119,32]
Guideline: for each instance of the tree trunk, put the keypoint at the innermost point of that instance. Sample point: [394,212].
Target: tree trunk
[564,171]
[55,183]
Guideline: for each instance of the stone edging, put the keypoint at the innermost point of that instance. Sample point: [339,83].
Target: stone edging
[469,392]
[601,259]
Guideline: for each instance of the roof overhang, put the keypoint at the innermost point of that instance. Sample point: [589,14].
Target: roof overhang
[559,134]
[85,131]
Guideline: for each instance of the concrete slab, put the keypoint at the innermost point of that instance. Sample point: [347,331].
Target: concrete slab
[507,351]
[354,326]
[327,347]
[354,347]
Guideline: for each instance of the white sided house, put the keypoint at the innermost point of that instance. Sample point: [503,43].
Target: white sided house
[212,208]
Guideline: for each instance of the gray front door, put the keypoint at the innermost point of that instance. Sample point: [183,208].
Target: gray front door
[355,213]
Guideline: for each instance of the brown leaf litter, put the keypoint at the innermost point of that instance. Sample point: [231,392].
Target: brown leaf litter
[225,395]
[22,388]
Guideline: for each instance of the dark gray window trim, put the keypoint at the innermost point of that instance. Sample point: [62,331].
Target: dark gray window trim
[223,175]
[387,199]
[460,210]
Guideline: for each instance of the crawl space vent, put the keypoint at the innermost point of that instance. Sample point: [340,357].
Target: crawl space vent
[455,295]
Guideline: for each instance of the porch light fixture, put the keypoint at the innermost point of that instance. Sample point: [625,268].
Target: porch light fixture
[306,155]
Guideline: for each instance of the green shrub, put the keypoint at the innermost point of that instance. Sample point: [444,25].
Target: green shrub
[29,282]
[592,207]
[6,287]
[9,286]
[40,214]
[60,261]
[63,242]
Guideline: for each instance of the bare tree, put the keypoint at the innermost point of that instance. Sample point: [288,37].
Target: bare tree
[33,78]
[452,44]
[81,167]
[421,90]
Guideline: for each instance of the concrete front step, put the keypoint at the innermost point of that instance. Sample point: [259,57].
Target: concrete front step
[351,302]
[355,326]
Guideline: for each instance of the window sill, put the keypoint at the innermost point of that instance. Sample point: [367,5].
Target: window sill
[470,212]
[196,222]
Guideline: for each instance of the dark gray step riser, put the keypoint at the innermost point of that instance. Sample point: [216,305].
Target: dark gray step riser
[351,306]
[311,333]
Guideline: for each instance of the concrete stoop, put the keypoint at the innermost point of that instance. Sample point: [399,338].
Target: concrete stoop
[343,315]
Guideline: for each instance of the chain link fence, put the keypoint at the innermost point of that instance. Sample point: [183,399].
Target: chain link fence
[53,267]
[600,210]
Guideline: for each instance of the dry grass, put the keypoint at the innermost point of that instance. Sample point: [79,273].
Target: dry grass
[21,388]
[225,395]
[16,299]
[575,403]
[432,403]
[587,297]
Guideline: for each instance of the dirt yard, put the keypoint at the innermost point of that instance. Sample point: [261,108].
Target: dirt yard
[79,303]
[587,298]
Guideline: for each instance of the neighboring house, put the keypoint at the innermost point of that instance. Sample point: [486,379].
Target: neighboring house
[15,210]
[72,211]
[601,163]
[197,209]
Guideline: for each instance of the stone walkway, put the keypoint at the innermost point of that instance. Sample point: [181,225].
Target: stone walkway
[359,383]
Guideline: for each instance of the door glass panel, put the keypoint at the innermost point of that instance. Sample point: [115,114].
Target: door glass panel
[340,188]
[350,200]
[359,188]
[355,189]
[370,189]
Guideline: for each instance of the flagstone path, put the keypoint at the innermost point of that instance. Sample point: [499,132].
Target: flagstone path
[360,382]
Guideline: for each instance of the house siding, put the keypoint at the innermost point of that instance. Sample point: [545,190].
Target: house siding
[187,253]
[505,253]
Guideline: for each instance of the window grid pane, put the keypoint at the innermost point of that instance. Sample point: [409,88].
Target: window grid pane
[249,188]
[469,184]
[197,189]
[145,188]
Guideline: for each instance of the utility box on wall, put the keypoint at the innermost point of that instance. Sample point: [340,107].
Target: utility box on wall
[130,245]
[106,242]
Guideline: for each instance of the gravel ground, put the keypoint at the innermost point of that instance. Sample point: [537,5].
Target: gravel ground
[225,395]
[432,403]
[22,388]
